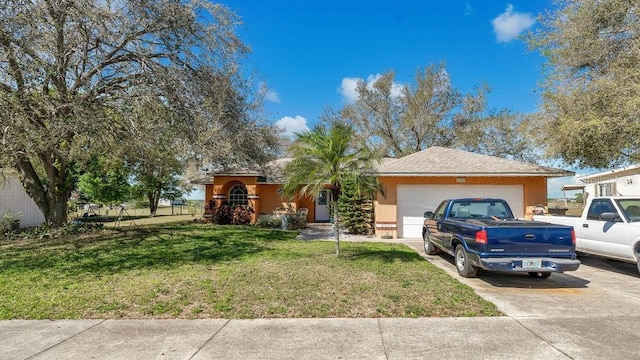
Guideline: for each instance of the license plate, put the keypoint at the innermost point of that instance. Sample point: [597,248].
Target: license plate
[532,263]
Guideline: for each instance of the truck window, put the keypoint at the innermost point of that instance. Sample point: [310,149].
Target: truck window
[630,208]
[599,206]
[439,214]
[461,210]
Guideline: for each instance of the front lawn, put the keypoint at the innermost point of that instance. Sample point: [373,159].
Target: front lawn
[205,271]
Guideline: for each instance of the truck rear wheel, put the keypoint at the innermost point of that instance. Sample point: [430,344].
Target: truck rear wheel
[540,274]
[429,248]
[465,269]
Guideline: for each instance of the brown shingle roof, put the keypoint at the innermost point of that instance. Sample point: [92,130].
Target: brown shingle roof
[441,161]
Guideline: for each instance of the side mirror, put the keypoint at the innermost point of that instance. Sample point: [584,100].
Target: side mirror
[428,214]
[610,217]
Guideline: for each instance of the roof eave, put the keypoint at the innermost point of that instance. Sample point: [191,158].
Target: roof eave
[483,174]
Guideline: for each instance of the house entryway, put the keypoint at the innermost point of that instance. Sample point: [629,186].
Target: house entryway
[322,207]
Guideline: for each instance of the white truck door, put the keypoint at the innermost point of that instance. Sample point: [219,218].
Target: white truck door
[606,238]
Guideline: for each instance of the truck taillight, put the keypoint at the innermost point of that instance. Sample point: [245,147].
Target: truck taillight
[573,237]
[481,237]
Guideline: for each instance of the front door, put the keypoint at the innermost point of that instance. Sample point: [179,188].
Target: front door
[322,207]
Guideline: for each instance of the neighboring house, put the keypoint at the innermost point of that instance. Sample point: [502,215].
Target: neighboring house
[414,184]
[15,200]
[622,181]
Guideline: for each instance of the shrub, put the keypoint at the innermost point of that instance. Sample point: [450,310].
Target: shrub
[269,222]
[242,215]
[226,215]
[9,223]
[296,221]
[222,215]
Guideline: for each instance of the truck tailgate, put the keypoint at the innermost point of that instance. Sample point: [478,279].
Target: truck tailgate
[530,239]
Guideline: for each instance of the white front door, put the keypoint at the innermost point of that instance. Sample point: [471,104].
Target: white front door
[322,207]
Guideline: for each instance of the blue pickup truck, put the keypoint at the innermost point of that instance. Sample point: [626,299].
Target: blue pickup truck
[483,234]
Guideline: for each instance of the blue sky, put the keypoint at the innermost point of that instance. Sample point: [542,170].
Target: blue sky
[307,55]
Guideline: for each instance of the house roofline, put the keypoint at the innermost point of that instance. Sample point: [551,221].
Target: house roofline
[472,174]
[605,174]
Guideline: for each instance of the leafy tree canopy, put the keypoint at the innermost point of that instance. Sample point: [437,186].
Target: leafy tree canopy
[591,91]
[71,73]
[396,120]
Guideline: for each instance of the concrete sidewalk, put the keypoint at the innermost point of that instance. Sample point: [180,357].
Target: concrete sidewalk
[422,338]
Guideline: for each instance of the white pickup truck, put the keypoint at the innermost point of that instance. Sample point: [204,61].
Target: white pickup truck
[609,227]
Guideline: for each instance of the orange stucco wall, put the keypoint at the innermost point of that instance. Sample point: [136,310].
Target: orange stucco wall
[266,197]
[534,190]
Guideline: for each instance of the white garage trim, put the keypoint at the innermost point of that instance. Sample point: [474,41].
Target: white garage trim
[414,200]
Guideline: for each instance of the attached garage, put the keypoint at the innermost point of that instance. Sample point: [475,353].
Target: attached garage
[419,182]
[414,200]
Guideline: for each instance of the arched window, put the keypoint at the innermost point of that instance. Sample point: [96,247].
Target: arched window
[238,195]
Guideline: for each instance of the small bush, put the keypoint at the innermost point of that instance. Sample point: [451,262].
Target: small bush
[296,221]
[9,224]
[269,222]
[222,215]
[242,215]
[230,215]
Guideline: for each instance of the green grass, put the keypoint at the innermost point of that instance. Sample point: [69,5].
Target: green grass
[204,271]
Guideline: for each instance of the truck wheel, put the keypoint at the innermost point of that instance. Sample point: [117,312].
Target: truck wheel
[540,274]
[465,269]
[429,248]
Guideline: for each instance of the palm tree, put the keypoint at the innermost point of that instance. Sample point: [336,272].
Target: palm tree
[323,159]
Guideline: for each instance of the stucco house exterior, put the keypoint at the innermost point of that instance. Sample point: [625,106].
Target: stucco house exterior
[414,184]
[16,203]
[419,182]
[618,182]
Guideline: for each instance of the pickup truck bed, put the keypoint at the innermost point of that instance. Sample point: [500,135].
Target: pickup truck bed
[479,240]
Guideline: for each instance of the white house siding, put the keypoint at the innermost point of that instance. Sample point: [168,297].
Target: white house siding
[15,200]
[618,182]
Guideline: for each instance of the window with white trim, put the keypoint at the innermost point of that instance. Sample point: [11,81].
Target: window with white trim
[606,189]
[238,195]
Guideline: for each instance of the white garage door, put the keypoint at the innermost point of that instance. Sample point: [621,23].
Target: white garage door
[414,200]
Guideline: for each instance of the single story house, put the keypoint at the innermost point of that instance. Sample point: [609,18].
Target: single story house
[622,181]
[414,184]
[17,204]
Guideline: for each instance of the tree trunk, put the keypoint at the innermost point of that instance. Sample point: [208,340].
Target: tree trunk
[153,204]
[336,226]
[53,199]
[58,212]
[154,199]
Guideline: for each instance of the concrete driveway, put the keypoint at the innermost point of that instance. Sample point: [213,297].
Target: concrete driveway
[591,313]
[599,288]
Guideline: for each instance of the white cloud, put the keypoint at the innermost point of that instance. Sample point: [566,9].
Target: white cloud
[292,125]
[269,95]
[510,24]
[348,87]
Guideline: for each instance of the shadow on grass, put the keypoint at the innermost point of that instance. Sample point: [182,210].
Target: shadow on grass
[134,248]
[388,254]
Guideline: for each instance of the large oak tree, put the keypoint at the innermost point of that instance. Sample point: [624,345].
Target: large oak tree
[70,71]
[591,90]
